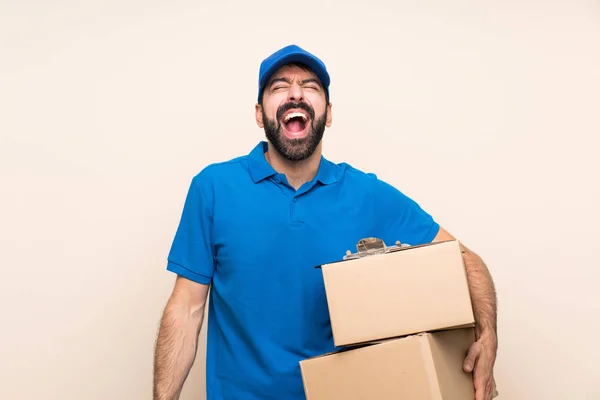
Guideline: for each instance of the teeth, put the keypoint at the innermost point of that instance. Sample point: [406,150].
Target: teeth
[295,114]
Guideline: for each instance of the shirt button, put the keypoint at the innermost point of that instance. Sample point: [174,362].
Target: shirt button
[295,199]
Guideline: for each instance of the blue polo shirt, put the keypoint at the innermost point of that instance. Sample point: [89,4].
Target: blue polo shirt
[256,240]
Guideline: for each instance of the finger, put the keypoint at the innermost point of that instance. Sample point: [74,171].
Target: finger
[481,380]
[490,391]
[494,388]
[483,392]
[479,385]
[471,357]
[480,394]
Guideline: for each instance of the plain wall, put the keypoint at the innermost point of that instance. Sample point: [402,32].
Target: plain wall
[486,113]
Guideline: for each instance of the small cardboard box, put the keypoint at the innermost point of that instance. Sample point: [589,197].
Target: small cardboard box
[425,366]
[415,289]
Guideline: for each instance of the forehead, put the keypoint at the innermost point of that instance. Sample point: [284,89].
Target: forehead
[294,71]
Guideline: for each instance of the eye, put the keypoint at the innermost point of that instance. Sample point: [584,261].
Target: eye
[312,87]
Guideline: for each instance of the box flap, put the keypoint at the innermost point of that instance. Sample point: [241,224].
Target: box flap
[356,346]
[449,349]
[429,366]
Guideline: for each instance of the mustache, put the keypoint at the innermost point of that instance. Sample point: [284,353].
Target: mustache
[292,105]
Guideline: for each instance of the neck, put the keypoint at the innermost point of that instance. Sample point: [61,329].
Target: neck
[296,172]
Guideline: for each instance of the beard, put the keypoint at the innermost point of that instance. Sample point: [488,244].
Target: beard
[295,149]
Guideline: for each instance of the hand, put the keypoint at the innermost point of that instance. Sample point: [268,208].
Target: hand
[480,360]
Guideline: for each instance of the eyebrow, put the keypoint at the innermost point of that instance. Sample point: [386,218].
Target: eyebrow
[286,80]
[309,80]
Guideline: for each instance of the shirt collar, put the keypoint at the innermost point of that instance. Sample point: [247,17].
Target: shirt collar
[327,173]
[260,168]
[258,165]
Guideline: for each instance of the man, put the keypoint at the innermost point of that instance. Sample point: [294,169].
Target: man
[253,228]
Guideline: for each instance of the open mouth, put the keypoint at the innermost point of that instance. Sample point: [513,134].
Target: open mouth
[295,124]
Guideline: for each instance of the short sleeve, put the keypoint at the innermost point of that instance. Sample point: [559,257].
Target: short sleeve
[191,254]
[401,218]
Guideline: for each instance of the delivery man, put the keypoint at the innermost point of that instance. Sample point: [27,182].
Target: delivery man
[254,227]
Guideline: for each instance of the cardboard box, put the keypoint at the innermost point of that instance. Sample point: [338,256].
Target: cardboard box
[415,289]
[425,366]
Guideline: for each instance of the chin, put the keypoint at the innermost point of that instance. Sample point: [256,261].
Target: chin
[295,145]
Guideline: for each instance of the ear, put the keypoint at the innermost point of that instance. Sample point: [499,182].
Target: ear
[259,116]
[329,116]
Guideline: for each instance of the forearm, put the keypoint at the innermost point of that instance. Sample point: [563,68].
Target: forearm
[176,348]
[483,293]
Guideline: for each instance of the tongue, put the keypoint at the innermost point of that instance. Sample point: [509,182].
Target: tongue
[295,125]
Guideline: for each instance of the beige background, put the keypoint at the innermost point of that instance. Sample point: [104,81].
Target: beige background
[487,113]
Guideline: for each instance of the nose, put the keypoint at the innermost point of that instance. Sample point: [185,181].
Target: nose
[295,93]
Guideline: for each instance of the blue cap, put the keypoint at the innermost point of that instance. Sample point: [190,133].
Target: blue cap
[289,54]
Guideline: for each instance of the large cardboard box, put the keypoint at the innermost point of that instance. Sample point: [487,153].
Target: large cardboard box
[425,366]
[415,289]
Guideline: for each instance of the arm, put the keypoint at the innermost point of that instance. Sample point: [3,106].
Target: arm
[483,293]
[177,341]
[401,218]
[482,355]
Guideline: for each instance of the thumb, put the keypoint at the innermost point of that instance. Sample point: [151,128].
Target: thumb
[472,356]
